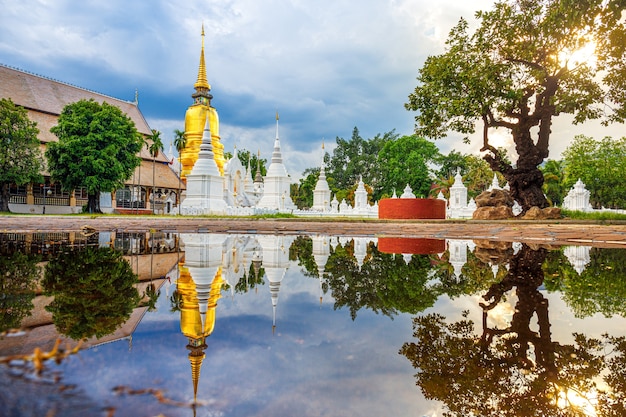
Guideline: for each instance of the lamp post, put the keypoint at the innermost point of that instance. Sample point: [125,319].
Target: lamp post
[48,191]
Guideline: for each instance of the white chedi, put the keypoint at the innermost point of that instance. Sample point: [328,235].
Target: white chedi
[205,185]
[276,188]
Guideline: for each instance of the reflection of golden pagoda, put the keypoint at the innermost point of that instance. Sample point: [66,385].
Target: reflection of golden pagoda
[195,122]
[197,316]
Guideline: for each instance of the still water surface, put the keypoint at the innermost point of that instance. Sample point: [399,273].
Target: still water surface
[261,325]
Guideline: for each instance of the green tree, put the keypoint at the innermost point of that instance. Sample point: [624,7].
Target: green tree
[478,176]
[20,156]
[403,161]
[517,72]
[450,163]
[356,158]
[255,162]
[553,181]
[155,145]
[443,185]
[19,273]
[180,141]
[601,165]
[302,193]
[93,291]
[97,149]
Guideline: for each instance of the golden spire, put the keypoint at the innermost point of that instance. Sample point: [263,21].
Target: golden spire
[202,82]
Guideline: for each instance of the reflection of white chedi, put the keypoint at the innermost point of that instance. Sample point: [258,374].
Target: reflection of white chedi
[275,264]
[203,258]
[321,253]
[578,257]
[205,185]
[458,256]
[276,193]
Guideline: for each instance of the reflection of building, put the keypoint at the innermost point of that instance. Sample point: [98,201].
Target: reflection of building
[195,121]
[458,255]
[199,285]
[578,257]
[275,264]
[151,266]
[44,100]
[321,253]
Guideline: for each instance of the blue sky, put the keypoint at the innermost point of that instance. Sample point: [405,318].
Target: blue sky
[325,66]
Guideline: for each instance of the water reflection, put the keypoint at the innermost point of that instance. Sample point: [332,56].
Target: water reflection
[254,308]
[517,368]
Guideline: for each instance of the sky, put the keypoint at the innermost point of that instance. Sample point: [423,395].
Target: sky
[325,67]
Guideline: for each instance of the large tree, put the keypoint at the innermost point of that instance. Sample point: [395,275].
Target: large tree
[519,70]
[20,155]
[97,149]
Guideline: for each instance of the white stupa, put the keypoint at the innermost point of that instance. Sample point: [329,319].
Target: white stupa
[360,198]
[321,194]
[205,186]
[276,192]
[458,193]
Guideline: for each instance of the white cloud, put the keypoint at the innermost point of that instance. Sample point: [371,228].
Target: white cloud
[327,66]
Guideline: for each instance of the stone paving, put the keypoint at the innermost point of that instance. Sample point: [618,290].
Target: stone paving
[562,232]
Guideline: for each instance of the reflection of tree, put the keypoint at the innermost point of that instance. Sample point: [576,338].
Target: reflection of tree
[475,277]
[514,371]
[251,279]
[176,301]
[153,296]
[600,288]
[302,250]
[385,283]
[93,291]
[18,275]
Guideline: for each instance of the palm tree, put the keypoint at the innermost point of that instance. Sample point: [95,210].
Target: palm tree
[553,181]
[180,141]
[154,148]
[442,184]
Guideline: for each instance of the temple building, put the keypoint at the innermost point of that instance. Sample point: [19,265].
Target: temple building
[44,99]
[195,121]
[219,186]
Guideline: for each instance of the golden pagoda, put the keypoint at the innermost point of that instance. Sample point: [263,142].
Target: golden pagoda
[195,122]
[196,321]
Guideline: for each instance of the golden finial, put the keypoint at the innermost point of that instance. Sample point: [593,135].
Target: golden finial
[276,115]
[202,82]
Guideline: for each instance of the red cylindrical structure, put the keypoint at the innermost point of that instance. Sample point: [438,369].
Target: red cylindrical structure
[411,208]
